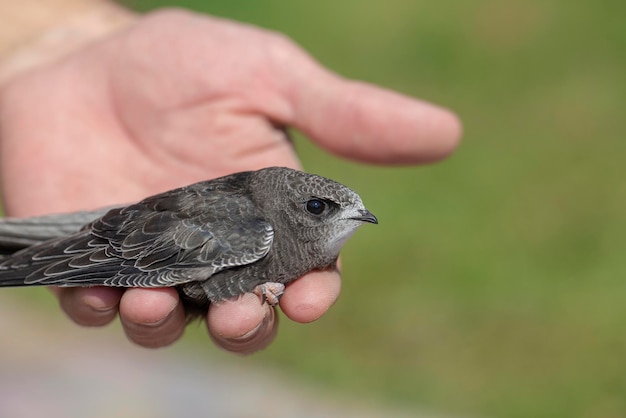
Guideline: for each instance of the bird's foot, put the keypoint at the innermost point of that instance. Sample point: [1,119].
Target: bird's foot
[270,292]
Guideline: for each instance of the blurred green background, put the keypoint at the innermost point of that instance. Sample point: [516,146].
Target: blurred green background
[495,284]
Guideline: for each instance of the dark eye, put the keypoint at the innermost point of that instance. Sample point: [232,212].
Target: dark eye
[315,206]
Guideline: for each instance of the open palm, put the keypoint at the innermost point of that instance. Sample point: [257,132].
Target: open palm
[178,98]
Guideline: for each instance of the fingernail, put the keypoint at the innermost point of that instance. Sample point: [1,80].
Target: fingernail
[268,319]
[255,339]
[98,305]
[159,322]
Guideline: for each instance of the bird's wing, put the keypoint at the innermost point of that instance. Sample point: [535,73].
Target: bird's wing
[151,244]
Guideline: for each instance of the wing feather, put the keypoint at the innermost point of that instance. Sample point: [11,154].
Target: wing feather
[154,243]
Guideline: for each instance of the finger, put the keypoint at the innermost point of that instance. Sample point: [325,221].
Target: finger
[93,306]
[278,79]
[367,123]
[245,326]
[242,326]
[309,297]
[152,317]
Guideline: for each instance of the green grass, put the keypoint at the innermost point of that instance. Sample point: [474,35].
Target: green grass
[495,283]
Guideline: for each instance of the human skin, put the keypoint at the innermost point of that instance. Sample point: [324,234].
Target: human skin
[171,98]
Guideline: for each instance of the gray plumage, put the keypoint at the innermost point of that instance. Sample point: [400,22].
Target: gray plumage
[18,233]
[212,240]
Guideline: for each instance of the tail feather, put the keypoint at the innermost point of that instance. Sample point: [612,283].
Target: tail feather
[11,281]
[19,233]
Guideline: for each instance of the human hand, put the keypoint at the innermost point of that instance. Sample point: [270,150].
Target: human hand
[177,98]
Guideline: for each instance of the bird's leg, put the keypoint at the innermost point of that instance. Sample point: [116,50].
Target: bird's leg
[270,292]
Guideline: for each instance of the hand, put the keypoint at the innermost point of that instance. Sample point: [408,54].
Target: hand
[177,98]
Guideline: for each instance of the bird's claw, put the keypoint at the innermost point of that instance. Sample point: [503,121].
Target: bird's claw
[269,292]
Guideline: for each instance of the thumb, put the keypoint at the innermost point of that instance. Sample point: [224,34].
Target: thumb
[367,123]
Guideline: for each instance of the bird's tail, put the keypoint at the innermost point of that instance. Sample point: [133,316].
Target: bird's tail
[12,281]
[19,233]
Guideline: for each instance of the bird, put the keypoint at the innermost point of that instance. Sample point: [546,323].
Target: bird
[252,231]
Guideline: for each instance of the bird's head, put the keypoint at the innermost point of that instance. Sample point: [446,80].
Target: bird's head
[320,213]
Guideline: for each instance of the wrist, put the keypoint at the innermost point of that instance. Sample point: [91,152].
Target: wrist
[38,32]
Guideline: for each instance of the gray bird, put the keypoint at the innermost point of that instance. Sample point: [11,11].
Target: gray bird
[253,231]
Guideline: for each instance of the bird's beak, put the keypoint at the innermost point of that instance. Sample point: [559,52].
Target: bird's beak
[365,216]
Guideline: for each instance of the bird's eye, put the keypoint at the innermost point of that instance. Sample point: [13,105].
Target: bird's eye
[315,206]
